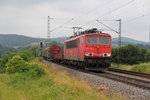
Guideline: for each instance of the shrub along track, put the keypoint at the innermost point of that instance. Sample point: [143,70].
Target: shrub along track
[116,77]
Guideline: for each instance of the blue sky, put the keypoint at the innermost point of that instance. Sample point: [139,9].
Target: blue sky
[29,17]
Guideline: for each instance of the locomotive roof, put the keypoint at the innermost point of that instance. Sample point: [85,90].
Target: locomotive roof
[89,32]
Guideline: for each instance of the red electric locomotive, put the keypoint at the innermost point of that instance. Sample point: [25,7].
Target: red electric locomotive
[90,49]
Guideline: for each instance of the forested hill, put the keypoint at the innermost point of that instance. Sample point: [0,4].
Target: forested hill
[13,40]
[126,41]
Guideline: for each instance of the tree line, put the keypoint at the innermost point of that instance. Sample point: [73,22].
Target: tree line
[131,54]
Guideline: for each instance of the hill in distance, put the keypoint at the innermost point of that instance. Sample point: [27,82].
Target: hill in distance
[126,41]
[13,40]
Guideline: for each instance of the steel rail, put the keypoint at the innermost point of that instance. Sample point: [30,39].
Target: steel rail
[139,74]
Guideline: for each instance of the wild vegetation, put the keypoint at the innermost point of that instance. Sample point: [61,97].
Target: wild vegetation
[22,77]
[132,58]
[131,54]
[5,50]
[143,67]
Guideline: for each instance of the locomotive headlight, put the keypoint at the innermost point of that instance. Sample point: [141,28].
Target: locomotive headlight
[88,54]
[106,54]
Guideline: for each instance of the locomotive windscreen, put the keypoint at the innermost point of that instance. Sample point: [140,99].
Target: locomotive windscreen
[98,40]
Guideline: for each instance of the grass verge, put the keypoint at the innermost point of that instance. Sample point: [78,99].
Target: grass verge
[143,67]
[54,85]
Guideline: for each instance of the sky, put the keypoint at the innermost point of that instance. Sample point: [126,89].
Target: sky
[29,17]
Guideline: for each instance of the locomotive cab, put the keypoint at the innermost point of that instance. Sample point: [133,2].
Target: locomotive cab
[97,51]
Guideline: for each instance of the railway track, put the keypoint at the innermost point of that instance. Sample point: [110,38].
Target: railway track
[144,84]
[128,80]
[143,75]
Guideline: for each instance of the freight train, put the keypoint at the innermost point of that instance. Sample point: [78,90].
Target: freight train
[89,49]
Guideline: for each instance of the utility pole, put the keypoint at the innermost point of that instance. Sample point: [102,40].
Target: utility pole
[149,36]
[119,42]
[48,29]
[48,35]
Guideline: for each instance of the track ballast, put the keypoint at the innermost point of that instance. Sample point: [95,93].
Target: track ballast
[116,77]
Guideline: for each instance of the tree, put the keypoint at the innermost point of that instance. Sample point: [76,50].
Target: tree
[147,56]
[6,59]
[26,55]
[130,54]
[17,64]
[142,54]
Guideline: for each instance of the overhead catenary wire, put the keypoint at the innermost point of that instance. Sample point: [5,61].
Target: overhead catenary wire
[136,8]
[135,18]
[93,10]
[107,26]
[109,12]
[118,8]
[62,25]
[70,20]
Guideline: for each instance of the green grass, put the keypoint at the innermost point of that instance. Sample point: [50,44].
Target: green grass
[54,85]
[143,67]
[18,87]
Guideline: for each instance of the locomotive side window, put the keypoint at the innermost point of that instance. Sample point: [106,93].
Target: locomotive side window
[82,40]
[72,44]
[98,40]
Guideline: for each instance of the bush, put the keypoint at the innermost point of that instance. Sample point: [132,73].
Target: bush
[17,64]
[35,71]
[144,68]
[26,55]
[142,54]
[147,56]
[131,54]
[33,50]
[4,61]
